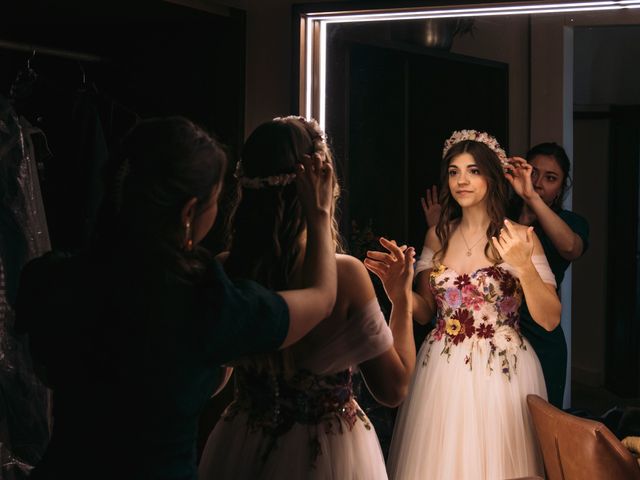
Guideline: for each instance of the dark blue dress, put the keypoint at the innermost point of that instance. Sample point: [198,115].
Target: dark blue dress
[551,347]
[132,354]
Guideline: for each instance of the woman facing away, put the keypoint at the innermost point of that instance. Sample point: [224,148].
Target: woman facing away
[294,414]
[540,183]
[466,416]
[130,336]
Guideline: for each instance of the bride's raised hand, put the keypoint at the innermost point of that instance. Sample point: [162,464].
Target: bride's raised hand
[514,249]
[314,181]
[394,269]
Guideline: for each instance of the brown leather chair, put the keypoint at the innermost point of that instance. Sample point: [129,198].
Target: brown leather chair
[575,448]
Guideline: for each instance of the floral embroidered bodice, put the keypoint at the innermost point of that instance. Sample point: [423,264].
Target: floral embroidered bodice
[273,403]
[478,310]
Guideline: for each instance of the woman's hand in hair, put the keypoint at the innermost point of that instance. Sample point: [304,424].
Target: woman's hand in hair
[395,270]
[430,206]
[314,180]
[512,247]
[519,176]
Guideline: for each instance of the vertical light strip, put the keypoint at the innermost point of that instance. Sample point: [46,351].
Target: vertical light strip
[322,73]
[309,67]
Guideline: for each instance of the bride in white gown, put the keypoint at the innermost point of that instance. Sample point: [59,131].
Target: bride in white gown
[465,417]
[294,414]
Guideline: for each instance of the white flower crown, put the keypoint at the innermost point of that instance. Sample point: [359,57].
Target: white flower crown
[483,137]
[257,183]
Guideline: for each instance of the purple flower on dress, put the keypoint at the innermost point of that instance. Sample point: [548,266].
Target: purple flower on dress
[453,297]
[513,320]
[509,305]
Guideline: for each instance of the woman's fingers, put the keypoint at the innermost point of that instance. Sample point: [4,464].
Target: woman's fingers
[510,229]
[409,257]
[393,248]
[307,162]
[529,234]
[498,246]
[375,268]
[380,256]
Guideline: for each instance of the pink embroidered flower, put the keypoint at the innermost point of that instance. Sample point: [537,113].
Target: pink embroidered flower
[471,297]
[438,332]
[453,297]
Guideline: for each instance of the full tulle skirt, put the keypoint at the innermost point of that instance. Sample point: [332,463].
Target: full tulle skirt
[466,419]
[236,451]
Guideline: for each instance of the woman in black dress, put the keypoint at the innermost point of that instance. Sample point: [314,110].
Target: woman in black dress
[540,183]
[130,336]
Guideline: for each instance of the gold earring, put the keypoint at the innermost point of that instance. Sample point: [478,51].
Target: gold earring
[188,241]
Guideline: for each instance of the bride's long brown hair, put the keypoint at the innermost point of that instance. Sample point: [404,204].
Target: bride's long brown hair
[268,224]
[496,200]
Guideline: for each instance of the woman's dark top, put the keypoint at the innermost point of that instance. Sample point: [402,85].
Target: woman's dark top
[132,354]
[551,347]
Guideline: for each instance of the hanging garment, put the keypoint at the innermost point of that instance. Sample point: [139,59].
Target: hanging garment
[24,400]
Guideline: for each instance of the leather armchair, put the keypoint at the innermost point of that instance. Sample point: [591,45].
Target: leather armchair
[575,448]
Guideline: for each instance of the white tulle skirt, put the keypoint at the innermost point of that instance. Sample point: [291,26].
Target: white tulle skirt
[234,451]
[462,423]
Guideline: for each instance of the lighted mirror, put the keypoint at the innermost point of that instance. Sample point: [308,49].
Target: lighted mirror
[389,85]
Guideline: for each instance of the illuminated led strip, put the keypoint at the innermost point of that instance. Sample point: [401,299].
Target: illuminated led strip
[416,14]
[322,19]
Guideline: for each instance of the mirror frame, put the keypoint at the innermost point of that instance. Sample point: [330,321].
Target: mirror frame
[310,56]
[311,20]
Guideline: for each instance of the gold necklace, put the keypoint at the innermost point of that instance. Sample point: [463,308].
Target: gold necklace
[467,245]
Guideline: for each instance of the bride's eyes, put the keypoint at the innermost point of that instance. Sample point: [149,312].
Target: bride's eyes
[475,171]
[452,172]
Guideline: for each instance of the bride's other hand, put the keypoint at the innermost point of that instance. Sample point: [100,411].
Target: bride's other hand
[394,269]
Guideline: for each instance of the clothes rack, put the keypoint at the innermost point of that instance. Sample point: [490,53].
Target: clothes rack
[56,52]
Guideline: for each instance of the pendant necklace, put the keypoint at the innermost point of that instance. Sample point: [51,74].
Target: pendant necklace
[467,245]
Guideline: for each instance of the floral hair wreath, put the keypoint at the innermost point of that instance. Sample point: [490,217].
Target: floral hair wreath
[482,137]
[283,179]
[258,183]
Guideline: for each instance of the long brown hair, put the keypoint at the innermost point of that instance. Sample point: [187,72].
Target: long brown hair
[268,223]
[496,200]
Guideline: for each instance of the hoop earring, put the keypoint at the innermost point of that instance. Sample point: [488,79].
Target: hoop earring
[188,240]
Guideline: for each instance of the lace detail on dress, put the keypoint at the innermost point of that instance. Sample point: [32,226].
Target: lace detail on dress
[273,404]
[478,311]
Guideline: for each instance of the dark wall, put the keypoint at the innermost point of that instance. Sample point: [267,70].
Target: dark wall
[157,59]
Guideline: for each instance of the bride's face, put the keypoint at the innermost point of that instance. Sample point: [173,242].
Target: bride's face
[467,184]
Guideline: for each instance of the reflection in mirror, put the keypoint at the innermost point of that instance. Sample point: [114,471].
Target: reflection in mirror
[395,91]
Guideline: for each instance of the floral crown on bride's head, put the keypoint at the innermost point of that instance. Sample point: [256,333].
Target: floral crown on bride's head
[482,137]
